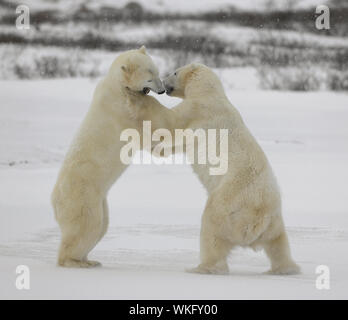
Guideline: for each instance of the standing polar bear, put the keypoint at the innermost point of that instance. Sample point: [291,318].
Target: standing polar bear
[244,205]
[93,163]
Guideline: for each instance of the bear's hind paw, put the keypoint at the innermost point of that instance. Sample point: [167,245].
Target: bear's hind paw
[218,270]
[285,270]
[71,263]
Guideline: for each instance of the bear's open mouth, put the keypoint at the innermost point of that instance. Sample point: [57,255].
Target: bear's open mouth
[146,90]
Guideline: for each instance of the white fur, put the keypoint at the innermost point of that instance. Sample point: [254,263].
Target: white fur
[244,205]
[93,163]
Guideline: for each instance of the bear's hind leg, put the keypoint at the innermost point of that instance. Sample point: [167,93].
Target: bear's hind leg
[213,250]
[79,237]
[105,223]
[278,251]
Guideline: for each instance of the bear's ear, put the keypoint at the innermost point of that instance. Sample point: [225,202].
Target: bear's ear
[194,66]
[125,69]
[128,70]
[142,50]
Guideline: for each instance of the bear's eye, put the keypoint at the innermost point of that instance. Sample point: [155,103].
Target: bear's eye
[149,80]
[174,73]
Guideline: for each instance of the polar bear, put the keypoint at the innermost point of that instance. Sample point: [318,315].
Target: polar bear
[244,205]
[93,162]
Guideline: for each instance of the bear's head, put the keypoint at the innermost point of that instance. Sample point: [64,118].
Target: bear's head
[192,79]
[136,72]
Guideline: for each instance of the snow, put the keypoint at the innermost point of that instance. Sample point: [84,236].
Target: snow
[152,240]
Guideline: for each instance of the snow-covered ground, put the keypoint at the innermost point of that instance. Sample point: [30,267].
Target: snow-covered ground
[152,240]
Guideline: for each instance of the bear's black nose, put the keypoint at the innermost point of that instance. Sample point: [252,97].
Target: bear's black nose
[162,92]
